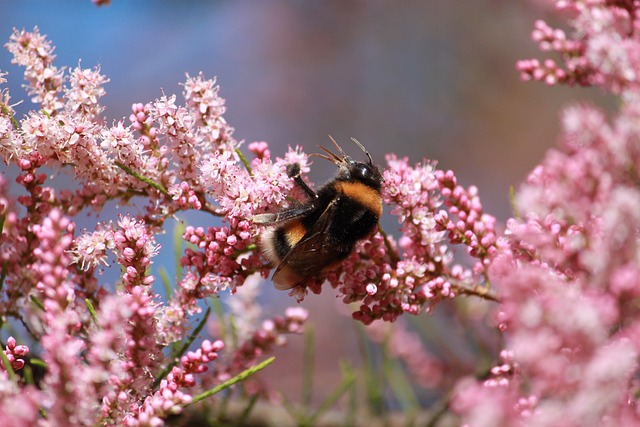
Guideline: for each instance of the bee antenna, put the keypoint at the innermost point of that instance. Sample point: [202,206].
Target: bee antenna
[363,149]
[333,158]
[337,146]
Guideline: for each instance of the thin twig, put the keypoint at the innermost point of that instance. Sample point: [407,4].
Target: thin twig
[144,179]
[481,291]
[395,259]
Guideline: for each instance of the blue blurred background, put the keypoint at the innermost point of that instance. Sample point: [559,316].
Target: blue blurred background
[426,79]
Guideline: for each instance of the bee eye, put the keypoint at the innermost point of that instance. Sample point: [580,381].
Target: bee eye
[365,173]
[361,171]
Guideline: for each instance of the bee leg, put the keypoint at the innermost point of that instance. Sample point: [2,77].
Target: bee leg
[293,171]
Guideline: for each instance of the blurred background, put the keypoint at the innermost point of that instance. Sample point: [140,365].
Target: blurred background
[429,79]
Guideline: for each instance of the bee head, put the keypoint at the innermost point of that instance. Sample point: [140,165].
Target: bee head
[367,173]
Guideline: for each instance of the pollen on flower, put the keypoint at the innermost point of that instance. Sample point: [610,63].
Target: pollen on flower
[84,91]
[240,194]
[90,249]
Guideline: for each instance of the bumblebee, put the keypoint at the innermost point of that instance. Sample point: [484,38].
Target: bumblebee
[314,237]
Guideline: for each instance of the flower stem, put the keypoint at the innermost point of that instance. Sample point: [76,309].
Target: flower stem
[244,160]
[144,179]
[238,378]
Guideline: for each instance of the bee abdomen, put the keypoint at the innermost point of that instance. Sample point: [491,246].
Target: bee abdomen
[277,242]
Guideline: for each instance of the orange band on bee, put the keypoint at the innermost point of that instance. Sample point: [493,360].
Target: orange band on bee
[295,232]
[363,194]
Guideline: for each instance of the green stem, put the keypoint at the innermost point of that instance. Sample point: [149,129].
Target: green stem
[7,366]
[238,378]
[512,201]
[244,160]
[37,302]
[242,419]
[439,409]
[7,111]
[92,311]
[333,398]
[373,383]
[144,179]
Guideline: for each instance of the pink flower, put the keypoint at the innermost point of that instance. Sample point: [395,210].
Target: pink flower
[240,194]
[104,348]
[84,91]
[14,353]
[90,249]
[35,53]
[134,247]
[178,124]
[19,406]
[208,107]
[602,50]
[169,399]
[564,274]
[260,149]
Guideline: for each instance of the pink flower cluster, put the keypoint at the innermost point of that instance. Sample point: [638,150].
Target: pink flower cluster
[15,353]
[54,237]
[19,405]
[103,347]
[602,51]
[567,276]
[219,263]
[169,399]
[474,228]
[242,193]
[567,269]
[34,52]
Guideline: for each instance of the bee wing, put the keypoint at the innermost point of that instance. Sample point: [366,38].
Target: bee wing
[310,255]
[282,216]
